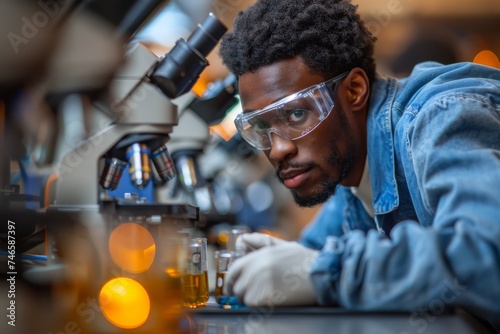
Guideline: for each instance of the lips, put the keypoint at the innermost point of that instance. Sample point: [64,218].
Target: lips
[294,178]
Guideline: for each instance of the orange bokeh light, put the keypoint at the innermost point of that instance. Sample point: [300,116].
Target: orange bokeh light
[488,58]
[132,247]
[124,302]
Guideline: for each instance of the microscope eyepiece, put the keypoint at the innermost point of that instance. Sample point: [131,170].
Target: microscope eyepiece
[207,35]
[179,70]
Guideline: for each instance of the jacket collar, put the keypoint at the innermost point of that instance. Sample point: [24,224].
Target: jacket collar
[381,145]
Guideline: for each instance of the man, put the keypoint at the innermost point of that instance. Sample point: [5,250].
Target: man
[409,169]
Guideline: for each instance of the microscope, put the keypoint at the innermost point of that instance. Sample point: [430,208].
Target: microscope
[139,117]
[192,137]
[97,238]
[144,114]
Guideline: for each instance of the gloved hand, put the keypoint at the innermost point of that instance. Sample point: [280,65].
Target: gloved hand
[251,241]
[277,275]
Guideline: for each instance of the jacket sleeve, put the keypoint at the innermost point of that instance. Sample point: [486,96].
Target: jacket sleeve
[453,146]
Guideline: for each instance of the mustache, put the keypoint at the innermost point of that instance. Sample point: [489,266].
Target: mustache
[293,165]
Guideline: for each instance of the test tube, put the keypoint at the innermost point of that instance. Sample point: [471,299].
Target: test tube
[194,282]
[223,260]
[234,233]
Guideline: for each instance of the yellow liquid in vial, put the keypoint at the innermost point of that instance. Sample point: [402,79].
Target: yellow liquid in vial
[195,290]
[219,284]
[227,302]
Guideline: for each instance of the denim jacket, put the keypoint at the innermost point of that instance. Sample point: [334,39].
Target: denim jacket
[434,162]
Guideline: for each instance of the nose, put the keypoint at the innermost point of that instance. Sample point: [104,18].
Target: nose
[280,147]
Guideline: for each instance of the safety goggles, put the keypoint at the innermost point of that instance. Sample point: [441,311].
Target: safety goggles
[292,117]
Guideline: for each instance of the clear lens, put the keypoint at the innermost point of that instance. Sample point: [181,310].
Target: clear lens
[292,117]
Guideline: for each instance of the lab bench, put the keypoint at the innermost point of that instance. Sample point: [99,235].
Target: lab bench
[213,319]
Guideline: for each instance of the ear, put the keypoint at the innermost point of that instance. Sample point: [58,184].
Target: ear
[357,89]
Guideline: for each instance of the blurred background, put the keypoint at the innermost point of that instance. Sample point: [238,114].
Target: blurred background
[408,31]
[120,111]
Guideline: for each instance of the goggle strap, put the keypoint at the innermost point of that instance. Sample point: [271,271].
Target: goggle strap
[332,83]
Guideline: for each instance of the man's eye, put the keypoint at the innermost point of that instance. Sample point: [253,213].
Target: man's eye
[297,115]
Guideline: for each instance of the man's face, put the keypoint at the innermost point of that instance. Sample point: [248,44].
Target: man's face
[311,166]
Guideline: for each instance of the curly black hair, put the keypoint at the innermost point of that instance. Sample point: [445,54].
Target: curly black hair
[329,35]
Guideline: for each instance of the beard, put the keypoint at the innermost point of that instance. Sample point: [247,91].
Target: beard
[329,185]
[328,189]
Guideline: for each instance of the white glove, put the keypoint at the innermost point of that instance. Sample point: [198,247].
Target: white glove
[277,275]
[248,242]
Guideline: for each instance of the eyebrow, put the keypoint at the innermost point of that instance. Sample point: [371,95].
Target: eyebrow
[245,111]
